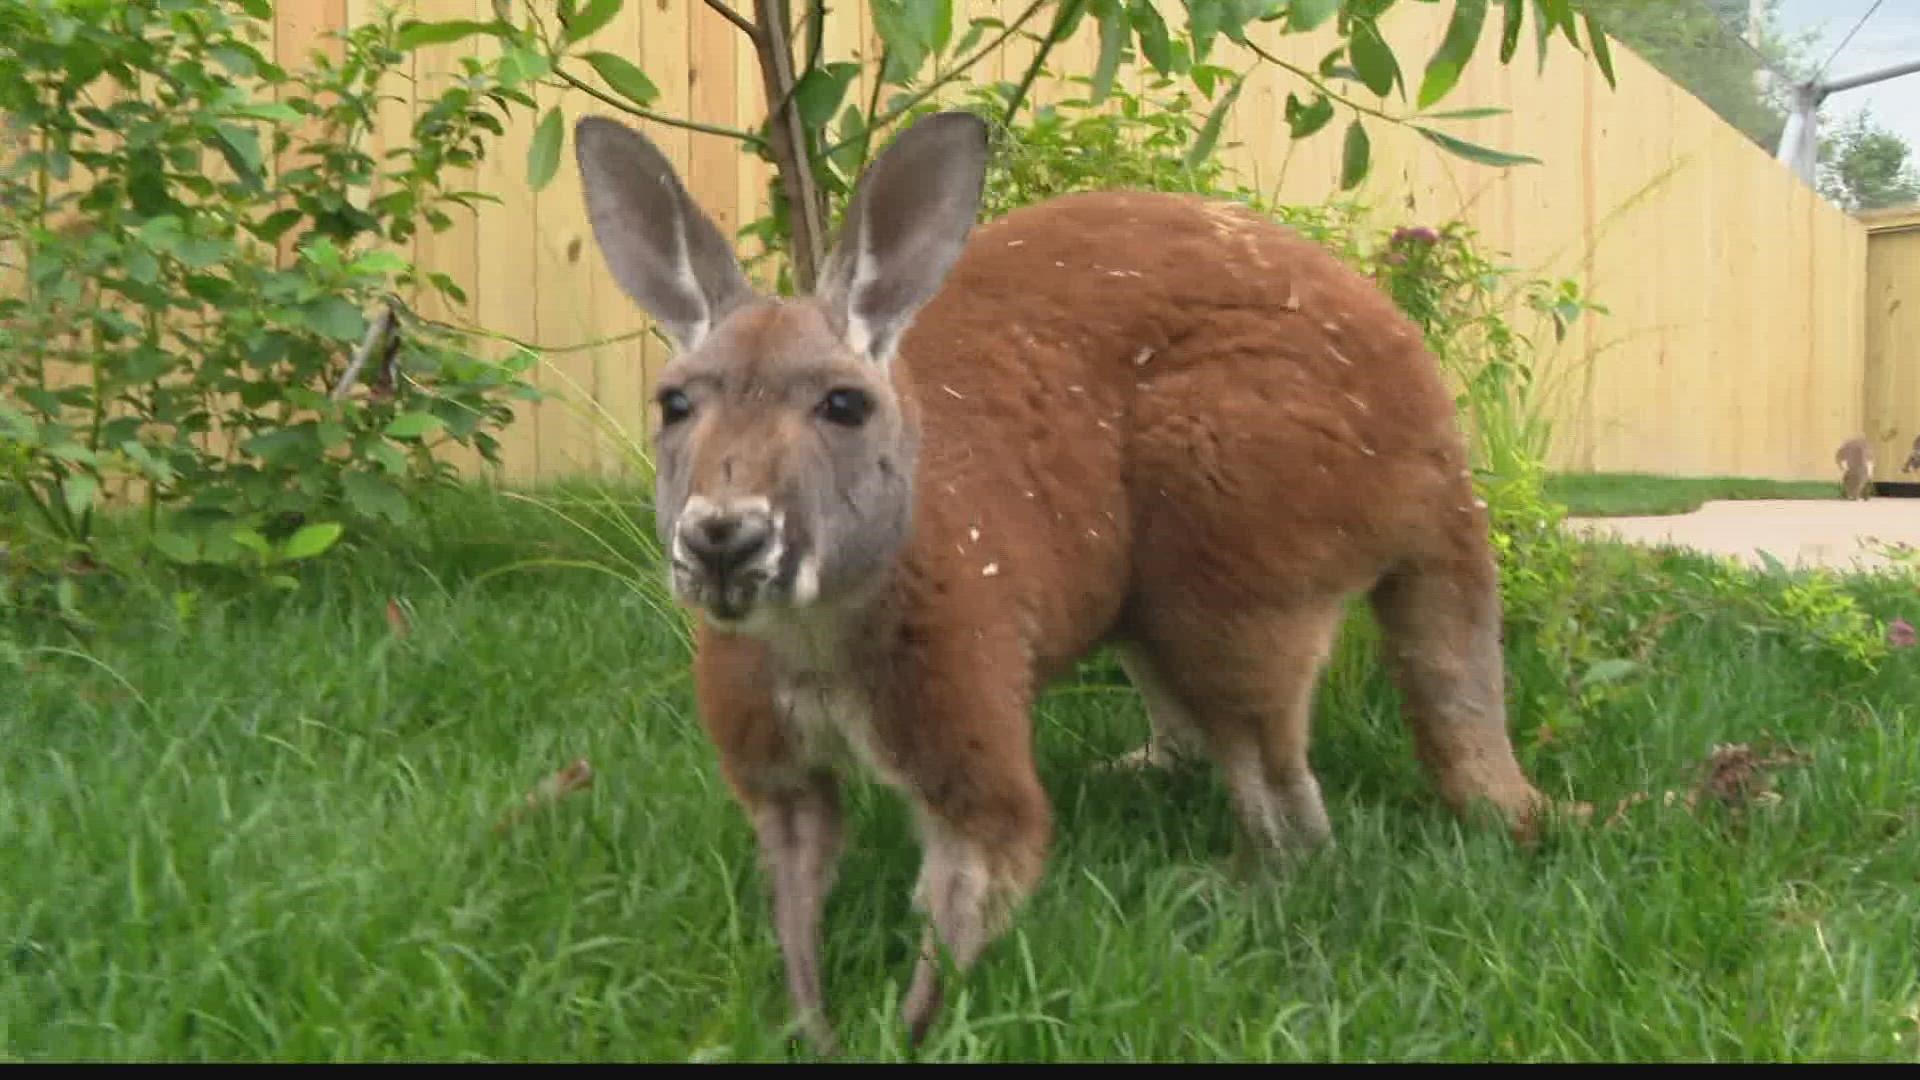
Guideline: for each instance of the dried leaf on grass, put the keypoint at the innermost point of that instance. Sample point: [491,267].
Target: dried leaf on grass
[397,620]
[1735,775]
[554,787]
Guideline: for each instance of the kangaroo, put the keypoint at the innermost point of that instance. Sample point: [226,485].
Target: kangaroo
[1855,458]
[903,504]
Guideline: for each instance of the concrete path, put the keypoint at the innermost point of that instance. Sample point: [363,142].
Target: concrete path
[1798,532]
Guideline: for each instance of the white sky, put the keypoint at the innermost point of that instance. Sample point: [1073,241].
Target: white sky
[1890,37]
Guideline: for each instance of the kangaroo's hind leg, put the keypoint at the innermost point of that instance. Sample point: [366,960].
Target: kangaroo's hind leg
[1246,682]
[1440,621]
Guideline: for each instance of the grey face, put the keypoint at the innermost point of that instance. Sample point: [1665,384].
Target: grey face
[784,455]
[783,466]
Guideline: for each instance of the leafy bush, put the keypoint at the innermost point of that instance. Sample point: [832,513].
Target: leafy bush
[196,240]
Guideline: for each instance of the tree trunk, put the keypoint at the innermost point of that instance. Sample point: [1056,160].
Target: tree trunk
[792,159]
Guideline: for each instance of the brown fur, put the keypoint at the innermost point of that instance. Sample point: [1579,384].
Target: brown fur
[1855,458]
[1140,419]
[1913,457]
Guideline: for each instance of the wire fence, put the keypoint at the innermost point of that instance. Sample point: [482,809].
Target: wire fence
[1744,73]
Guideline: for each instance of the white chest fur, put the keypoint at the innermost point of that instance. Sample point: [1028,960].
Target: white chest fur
[830,722]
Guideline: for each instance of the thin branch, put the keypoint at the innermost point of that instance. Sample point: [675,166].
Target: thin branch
[873,106]
[818,19]
[1067,14]
[952,73]
[475,330]
[746,26]
[819,42]
[378,331]
[792,152]
[747,137]
[1319,84]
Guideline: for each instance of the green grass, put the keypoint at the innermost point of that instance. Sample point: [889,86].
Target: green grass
[261,828]
[1632,494]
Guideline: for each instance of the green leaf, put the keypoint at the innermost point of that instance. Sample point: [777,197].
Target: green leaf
[906,49]
[323,253]
[1355,156]
[201,252]
[522,64]
[275,111]
[413,425]
[16,426]
[1607,671]
[1463,36]
[240,61]
[1510,32]
[1304,15]
[416,35]
[1071,12]
[389,457]
[1113,40]
[1373,59]
[818,94]
[1304,120]
[80,490]
[1203,76]
[1473,151]
[1602,52]
[1203,22]
[311,540]
[259,9]
[181,549]
[142,267]
[1477,113]
[336,318]
[853,124]
[68,450]
[273,447]
[1155,43]
[282,581]
[543,156]
[252,541]
[626,79]
[1210,131]
[935,18]
[380,261]
[241,147]
[372,496]
[1542,32]
[975,31]
[598,13]
[1560,14]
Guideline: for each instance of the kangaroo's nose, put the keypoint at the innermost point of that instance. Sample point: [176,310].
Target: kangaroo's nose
[725,540]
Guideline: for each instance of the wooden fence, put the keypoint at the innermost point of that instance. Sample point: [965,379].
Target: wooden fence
[1893,338]
[1737,340]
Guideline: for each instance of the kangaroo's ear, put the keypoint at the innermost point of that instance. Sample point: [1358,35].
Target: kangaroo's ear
[905,225]
[666,254]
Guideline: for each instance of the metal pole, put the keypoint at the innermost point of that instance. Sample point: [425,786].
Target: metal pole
[1800,141]
[1834,86]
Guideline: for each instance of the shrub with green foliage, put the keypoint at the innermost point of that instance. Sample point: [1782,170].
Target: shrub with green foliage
[196,241]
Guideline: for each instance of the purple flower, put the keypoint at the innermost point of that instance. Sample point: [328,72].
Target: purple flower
[1417,234]
[1900,634]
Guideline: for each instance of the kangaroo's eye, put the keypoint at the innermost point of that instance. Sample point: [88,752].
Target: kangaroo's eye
[675,406]
[846,407]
